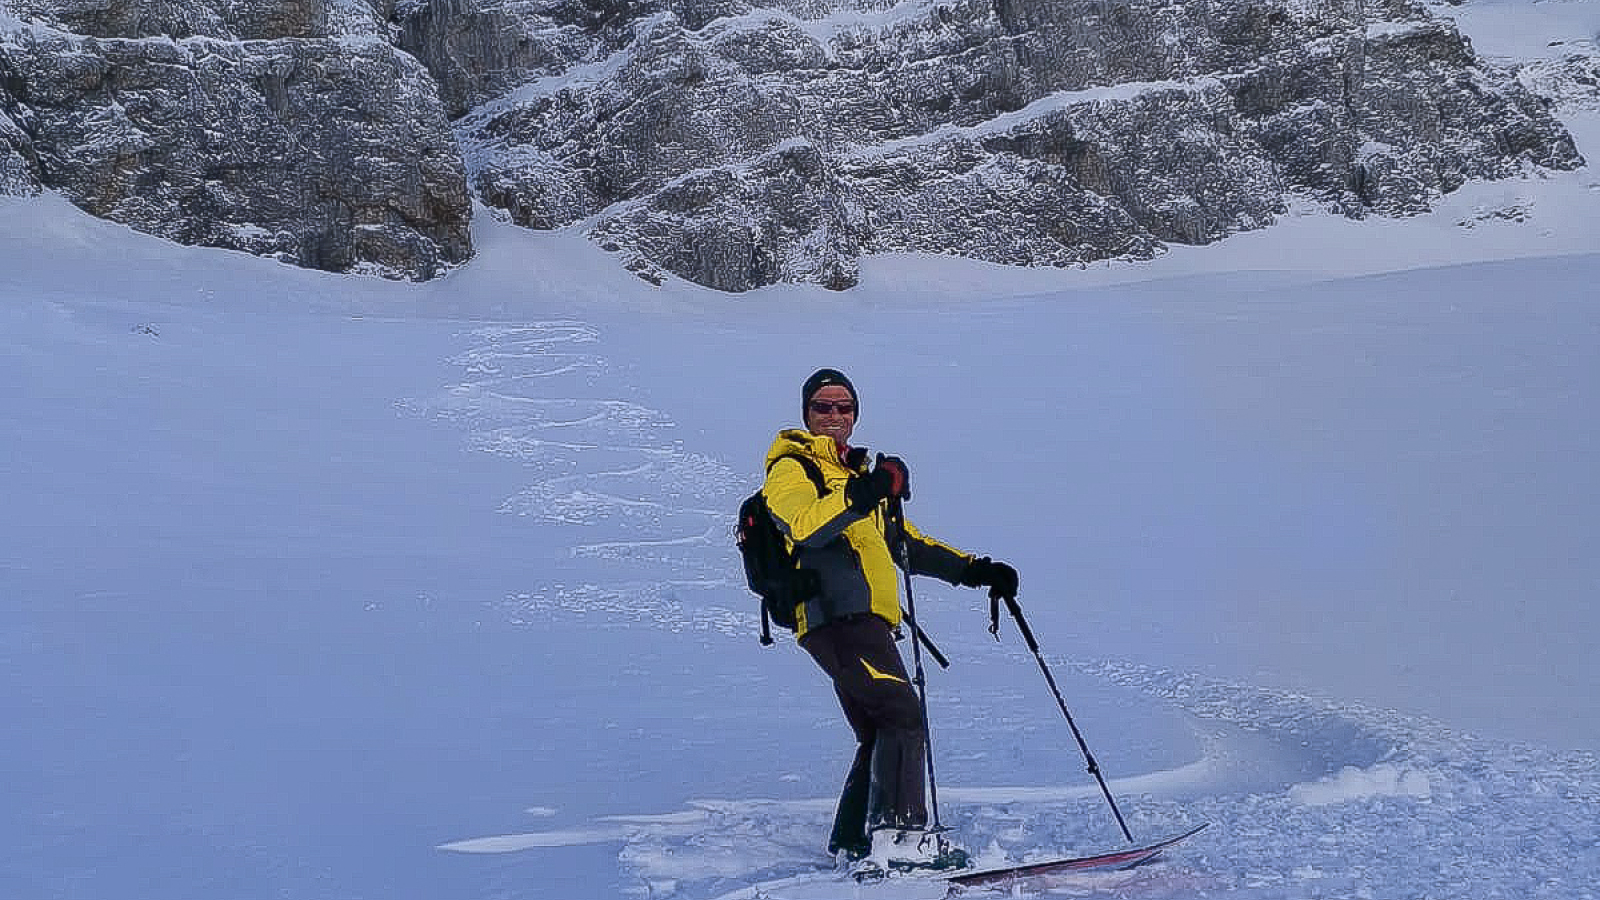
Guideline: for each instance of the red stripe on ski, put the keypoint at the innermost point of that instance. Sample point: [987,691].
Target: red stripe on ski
[1119,859]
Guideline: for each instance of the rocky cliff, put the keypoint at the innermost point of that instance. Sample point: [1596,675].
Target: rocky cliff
[738,146]
[245,125]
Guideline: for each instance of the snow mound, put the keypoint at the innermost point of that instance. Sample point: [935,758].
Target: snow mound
[1386,780]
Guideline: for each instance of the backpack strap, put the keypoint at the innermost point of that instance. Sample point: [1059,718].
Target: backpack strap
[813,472]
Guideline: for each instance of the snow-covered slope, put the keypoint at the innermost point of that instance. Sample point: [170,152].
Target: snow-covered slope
[313,587]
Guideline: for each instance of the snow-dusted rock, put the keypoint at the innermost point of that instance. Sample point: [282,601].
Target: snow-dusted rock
[222,19]
[328,154]
[480,49]
[783,217]
[19,168]
[1107,174]
[1021,131]
[738,145]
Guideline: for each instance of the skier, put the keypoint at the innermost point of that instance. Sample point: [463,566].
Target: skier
[843,532]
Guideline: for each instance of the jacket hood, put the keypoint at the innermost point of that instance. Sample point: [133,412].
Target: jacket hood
[799,440]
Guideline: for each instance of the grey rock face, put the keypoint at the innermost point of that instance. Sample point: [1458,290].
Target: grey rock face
[251,20]
[737,145]
[1021,131]
[480,50]
[1083,182]
[669,106]
[1387,124]
[780,218]
[326,154]
[19,165]
[19,176]
[1112,176]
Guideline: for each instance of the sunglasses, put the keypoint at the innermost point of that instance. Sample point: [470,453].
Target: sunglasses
[823,407]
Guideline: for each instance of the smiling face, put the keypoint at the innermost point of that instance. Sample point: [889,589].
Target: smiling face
[826,414]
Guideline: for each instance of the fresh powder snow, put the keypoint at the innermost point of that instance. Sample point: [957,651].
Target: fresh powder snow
[321,587]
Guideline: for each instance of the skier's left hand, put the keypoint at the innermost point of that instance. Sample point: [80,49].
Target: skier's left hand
[1000,578]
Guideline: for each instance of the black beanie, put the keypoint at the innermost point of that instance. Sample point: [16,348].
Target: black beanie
[821,379]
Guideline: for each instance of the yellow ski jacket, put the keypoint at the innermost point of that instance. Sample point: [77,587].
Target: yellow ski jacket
[849,551]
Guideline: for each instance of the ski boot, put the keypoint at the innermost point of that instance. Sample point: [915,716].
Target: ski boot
[908,850]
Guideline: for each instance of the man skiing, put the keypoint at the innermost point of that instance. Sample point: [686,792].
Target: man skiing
[842,530]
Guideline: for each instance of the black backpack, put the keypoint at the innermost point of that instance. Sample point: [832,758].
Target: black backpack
[770,568]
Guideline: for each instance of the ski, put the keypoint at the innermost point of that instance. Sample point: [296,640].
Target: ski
[1117,859]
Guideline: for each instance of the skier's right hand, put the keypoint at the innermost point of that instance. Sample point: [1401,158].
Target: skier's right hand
[889,478]
[893,471]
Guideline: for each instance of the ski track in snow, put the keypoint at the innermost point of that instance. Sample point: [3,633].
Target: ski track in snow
[606,467]
[1308,798]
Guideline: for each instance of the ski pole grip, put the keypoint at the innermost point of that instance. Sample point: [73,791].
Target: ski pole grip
[1022,624]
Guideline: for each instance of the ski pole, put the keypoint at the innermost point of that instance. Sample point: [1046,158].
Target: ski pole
[1094,767]
[898,522]
[927,642]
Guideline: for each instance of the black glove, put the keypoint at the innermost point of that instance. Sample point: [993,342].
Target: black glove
[1000,578]
[890,478]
